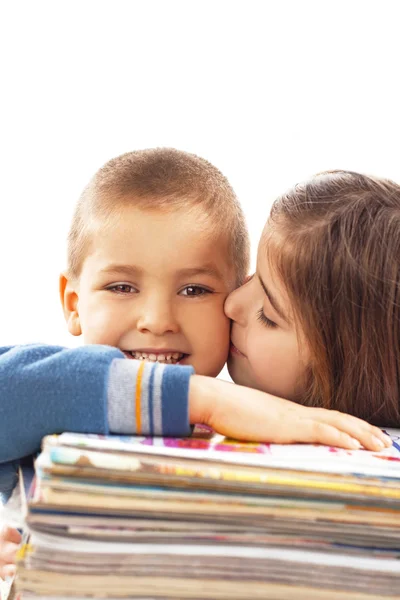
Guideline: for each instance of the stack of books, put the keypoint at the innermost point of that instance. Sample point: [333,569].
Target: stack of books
[208,517]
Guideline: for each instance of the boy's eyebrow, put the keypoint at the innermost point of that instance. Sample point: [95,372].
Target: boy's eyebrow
[206,269]
[125,269]
[273,301]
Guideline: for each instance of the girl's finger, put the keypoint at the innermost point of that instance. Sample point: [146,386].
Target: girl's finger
[371,437]
[317,432]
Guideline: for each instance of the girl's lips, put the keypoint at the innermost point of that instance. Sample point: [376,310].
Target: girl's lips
[233,350]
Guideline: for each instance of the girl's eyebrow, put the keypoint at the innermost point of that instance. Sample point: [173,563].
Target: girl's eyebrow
[273,301]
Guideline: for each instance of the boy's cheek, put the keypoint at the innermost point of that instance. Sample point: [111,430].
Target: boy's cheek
[218,346]
[209,338]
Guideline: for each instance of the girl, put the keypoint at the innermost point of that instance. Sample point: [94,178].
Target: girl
[319,322]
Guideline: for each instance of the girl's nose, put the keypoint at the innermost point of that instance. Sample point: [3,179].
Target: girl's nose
[236,305]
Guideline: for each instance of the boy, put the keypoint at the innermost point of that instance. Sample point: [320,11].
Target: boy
[157,241]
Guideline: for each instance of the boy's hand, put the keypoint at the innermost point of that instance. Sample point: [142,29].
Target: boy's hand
[9,541]
[246,414]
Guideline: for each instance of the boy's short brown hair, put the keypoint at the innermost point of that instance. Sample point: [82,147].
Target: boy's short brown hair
[338,254]
[160,179]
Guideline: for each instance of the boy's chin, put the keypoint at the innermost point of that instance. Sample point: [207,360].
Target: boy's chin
[209,370]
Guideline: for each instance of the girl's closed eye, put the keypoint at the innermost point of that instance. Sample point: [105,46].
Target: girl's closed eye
[194,291]
[264,319]
[122,288]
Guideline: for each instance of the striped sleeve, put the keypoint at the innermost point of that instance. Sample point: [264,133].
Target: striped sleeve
[147,398]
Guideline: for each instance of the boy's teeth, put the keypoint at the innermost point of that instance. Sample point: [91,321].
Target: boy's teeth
[172,357]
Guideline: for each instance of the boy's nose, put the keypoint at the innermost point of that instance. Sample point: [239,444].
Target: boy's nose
[235,306]
[157,320]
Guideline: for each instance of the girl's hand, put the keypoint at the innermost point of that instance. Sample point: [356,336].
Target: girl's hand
[9,541]
[246,414]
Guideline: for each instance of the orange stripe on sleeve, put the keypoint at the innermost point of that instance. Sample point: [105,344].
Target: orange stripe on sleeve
[138,412]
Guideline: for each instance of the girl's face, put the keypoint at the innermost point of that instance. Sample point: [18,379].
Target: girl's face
[267,350]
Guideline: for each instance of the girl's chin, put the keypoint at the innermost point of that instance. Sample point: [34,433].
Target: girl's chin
[235,371]
[240,375]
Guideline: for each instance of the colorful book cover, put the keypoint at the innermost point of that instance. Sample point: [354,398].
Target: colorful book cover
[209,447]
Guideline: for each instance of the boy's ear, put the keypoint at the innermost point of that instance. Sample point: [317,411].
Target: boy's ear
[70,304]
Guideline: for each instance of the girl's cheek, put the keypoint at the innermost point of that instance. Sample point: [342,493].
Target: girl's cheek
[257,356]
[248,278]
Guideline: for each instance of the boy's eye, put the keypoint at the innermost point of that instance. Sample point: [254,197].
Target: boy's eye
[122,288]
[194,290]
[264,320]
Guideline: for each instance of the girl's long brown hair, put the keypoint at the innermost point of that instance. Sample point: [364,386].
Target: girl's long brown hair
[337,249]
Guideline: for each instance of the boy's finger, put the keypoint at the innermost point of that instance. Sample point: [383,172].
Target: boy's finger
[10,534]
[8,553]
[7,571]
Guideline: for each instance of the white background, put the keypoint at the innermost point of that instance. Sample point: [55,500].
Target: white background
[270,92]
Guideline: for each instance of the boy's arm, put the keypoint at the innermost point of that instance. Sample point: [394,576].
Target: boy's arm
[8,480]
[50,389]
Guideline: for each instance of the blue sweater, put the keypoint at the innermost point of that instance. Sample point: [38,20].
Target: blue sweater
[92,389]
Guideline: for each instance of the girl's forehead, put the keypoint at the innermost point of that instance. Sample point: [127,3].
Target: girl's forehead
[270,243]
[269,260]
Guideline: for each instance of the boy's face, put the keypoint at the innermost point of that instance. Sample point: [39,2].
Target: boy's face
[154,285]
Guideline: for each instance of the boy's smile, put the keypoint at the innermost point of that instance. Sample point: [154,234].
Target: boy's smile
[168,356]
[154,284]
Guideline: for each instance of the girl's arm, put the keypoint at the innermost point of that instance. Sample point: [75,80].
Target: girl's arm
[246,414]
